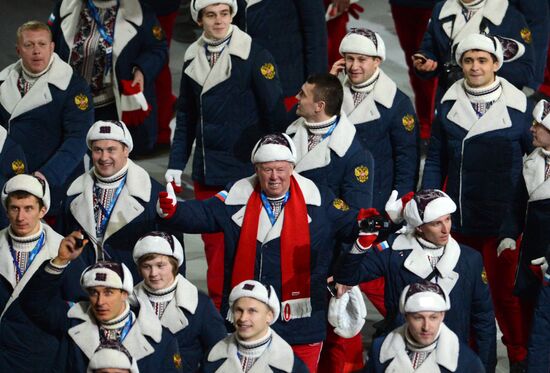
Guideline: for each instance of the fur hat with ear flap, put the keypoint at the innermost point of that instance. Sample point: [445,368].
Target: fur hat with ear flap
[197,5]
[540,113]
[347,313]
[157,242]
[427,205]
[274,147]
[110,130]
[108,274]
[487,43]
[258,291]
[363,41]
[27,183]
[423,296]
[112,355]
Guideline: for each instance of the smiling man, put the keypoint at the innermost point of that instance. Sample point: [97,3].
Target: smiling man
[424,343]
[24,245]
[112,202]
[427,251]
[106,317]
[254,346]
[479,138]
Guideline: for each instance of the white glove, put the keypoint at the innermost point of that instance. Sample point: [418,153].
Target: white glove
[347,313]
[542,263]
[174,177]
[394,206]
[506,243]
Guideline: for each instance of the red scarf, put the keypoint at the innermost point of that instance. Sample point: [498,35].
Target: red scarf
[294,249]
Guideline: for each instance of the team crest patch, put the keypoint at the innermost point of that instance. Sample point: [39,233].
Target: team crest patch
[81,101]
[362,173]
[408,122]
[158,33]
[526,35]
[177,360]
[340,204]
[18,167]
[268,71]
[484,276]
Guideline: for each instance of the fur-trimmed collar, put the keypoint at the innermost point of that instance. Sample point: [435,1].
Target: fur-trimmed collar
[383,93]
[445,353]
[127,208]
[52,239]
[533,174]
[239,45]
[494,10]
[250,3]
[497,117]
[3,136]
[339,141]
[86,334]
[187,297]
[418,263]
[278,355]
[59,75]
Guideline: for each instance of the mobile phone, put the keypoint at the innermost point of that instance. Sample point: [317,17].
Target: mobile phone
[420,57]
[80,241]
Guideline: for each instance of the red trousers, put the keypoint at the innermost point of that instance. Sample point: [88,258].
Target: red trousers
[345,355]
[514,315]
[309,354]
[545,86]
[163,86]
[213,249]
[410,25]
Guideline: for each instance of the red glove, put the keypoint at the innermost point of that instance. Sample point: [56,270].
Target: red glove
[365,239]
[133,104]
[355,9]
[167,203]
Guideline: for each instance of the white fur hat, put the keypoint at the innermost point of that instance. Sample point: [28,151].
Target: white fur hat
[109,274]
[114,356]
[256,290]
[424,296]
[489,44]
[363,41]
[159,243]
[110,130]
[197,5]
[30,184]
[347,313]
[540,113]
[427,205]
[274,147]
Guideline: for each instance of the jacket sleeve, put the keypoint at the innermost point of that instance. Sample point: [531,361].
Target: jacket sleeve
[153,48]
[538,356]
[356,268]
[268,92]
[186,122]
[314,31]
[483,317]
[213,326]
[435,167]
[76,123]
[356,190]
[41,301]
[429,47]
[208,216]
[404,147]
[513,221]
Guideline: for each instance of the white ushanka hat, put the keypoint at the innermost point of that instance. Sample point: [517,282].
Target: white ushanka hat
[423,297]
[27,183]
[110,130]
[112,355]
[489,44]
[256,290]
[159,243]
[109,274]
[197,5]
[427,205]
[274,147]
[540,113]
[363,41]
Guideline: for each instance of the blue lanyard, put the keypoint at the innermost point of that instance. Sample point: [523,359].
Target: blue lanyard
[107,212]
[103,32]
[331,129]
[34,252]
[268,208]
[126,328]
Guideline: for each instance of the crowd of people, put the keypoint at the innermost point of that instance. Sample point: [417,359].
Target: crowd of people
[308,189]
